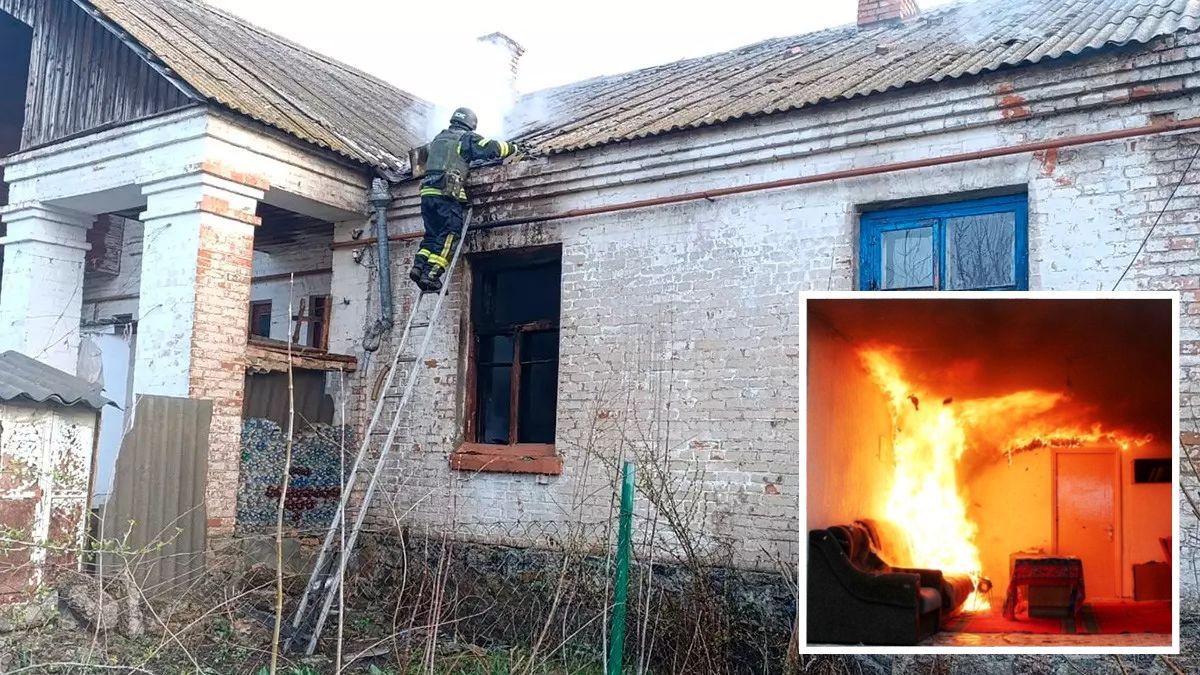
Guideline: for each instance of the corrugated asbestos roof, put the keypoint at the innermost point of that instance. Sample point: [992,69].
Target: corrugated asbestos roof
[266,77]
[841,63]
[22,377]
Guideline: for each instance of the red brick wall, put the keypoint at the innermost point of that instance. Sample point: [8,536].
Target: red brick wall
[218,349]
[874,11]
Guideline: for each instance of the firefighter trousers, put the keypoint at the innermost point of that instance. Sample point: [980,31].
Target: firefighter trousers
[443,218]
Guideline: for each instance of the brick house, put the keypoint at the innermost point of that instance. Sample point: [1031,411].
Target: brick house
[687,204]
[656,240]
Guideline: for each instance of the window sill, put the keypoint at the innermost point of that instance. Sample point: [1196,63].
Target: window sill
[538,458]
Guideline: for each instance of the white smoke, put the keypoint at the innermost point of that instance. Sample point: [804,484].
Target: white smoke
[975,22]
[478,75]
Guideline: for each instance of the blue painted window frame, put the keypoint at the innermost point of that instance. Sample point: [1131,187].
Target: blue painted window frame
[873,224]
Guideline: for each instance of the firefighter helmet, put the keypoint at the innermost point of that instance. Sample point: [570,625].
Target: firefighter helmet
[466,117]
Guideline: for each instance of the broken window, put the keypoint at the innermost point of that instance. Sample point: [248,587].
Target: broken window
[514,321]
[981,244]
[260,318]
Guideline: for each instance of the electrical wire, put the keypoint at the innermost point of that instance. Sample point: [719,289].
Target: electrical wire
[1167,205]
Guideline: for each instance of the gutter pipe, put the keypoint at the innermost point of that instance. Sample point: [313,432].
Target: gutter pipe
[381,198]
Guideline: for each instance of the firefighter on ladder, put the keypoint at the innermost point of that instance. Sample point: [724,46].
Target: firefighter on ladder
[444,196]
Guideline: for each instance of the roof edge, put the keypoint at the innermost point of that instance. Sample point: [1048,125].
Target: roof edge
[1084,51]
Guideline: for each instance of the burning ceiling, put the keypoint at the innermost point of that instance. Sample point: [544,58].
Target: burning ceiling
[1107,361]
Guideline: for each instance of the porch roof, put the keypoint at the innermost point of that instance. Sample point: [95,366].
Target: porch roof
[25,378]
[217,57]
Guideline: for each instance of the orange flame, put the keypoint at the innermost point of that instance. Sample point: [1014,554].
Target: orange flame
[924,499]
[929,441]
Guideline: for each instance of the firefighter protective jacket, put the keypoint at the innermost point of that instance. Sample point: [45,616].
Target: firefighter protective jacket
[450,155]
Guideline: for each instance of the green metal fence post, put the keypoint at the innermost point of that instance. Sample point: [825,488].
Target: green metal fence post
[616,651]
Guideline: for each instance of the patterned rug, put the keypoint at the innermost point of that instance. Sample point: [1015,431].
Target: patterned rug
[1097,618]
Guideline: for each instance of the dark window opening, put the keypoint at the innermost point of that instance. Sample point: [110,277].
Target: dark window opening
[267,398]
[514,321]
[260,318]
[16,41]
[1151,471]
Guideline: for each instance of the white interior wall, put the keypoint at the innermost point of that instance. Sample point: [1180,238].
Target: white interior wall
[105,295]
[304,254]
[1014,509]
[849,433]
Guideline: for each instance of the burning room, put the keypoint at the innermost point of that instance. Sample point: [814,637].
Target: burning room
[990,471]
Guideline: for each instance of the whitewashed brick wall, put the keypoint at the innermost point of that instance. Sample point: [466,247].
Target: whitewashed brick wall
[696,303]
[105,296]
[307,252]
[45,470]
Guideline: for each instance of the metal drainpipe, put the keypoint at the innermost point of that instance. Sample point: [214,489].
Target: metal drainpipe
[381,198]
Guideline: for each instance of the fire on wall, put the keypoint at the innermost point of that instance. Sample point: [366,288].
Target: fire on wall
[989,467]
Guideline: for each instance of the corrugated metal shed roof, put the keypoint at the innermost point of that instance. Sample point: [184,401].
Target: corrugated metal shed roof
[22,377]
[275,81]
[841,63]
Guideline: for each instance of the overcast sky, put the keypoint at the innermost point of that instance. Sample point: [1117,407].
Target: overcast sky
[404,42]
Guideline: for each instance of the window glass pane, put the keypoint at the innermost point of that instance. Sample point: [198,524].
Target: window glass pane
[981,251]
[908,258]
[494,403]
[539,386]
[539,346]
[495,349]
[524,295]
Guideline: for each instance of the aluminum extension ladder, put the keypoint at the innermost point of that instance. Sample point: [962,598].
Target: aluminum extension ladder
[330,567]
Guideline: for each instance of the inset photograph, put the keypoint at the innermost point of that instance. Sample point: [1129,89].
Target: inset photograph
[989,471]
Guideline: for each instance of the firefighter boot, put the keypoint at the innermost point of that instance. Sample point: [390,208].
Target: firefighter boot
[418,268]
[431,278]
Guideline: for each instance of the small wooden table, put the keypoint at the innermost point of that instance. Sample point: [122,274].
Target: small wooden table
[1044,570]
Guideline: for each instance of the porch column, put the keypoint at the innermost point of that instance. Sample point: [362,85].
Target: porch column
[194,310]
[41,293]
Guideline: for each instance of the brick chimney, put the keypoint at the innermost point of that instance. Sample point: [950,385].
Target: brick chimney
[873,13]
[514,50]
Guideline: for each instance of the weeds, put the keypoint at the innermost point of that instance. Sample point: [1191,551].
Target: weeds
[459,596]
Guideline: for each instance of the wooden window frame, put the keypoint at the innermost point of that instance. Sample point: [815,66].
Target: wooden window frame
[472,455]
[255,310]
[318,323]
[873,224]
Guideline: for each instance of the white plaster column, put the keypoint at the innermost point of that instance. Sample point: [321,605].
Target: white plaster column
[194,310]
[41,293]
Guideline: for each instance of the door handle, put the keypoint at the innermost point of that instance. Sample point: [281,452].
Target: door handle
[1110,532]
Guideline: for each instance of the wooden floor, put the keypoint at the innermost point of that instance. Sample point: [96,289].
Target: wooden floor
[947,639]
